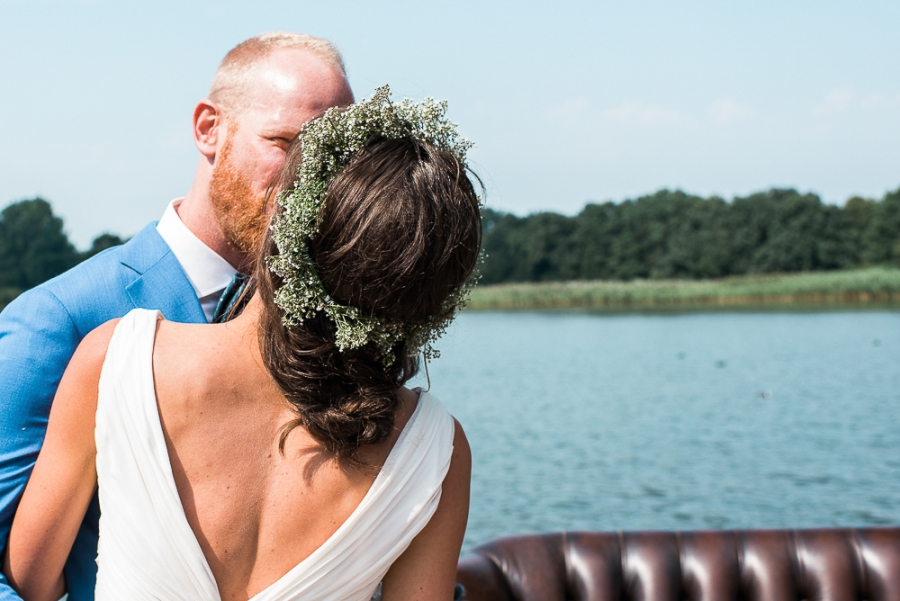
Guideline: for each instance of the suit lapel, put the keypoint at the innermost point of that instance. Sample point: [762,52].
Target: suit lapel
[161,283]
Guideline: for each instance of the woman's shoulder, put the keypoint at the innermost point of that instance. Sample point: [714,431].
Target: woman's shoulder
[91,352]
[182,344]
[440,422]
[460,468]
[189,354]
[79,387]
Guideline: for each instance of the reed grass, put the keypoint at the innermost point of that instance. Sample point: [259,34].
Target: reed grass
[850,287]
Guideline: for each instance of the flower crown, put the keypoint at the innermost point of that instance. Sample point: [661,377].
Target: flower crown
[329,143]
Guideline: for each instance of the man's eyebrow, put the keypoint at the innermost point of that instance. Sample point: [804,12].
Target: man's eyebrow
[279,133]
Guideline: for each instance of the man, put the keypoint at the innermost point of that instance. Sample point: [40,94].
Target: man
[262,93]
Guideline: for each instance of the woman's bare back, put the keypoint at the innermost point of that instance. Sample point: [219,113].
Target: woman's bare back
[256,512]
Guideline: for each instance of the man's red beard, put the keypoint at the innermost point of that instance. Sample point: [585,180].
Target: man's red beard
[240,213]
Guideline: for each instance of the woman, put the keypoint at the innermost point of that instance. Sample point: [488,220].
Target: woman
[278,455]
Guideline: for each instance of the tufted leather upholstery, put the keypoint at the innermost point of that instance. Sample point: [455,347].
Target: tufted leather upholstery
[748,565]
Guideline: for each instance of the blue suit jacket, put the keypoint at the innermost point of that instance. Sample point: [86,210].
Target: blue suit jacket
[39,332]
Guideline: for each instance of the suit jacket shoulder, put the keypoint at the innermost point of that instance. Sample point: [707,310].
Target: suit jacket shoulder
[142,273]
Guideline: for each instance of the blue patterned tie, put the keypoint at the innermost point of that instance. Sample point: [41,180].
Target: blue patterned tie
[231,303]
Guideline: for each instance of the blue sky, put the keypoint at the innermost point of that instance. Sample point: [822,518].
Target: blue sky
[569,102]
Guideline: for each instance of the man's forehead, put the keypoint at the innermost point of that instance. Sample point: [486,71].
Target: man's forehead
[275,112]
[288,82]
[278,80]
[288,69]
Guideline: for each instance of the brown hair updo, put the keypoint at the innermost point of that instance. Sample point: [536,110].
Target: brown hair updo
[399,231]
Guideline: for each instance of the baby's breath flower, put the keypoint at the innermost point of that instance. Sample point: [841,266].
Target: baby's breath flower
[329,143]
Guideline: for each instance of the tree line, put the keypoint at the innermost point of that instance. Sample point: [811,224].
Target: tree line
[34,247]
[671,234]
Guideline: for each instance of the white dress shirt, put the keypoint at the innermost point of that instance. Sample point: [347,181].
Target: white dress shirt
[208,273]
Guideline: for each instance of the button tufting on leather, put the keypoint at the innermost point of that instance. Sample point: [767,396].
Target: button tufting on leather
[833,564]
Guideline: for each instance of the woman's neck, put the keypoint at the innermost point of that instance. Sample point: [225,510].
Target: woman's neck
[247,323]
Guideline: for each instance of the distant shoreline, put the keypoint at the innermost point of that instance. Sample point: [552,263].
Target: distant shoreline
[856,288]
[873,287]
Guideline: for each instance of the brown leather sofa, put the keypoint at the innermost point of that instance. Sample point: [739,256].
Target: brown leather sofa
[841,564]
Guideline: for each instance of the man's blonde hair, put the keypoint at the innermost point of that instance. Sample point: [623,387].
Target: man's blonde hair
[229,85]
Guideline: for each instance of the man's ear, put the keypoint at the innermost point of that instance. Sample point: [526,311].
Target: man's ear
[209,127]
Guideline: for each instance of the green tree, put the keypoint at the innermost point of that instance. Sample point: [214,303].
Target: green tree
[882,237]
[528,249]
[593,238]
[784,231]
[101,243]
[856,217]
[545,250]
[33,245]
[671,234]
[499,264]
[699,241]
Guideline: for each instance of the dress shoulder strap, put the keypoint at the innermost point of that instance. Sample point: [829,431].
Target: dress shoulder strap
[143,531]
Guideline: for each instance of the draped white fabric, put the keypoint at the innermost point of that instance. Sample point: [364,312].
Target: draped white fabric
[148,550]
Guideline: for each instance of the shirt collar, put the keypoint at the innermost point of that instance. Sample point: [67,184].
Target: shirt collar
[208,272]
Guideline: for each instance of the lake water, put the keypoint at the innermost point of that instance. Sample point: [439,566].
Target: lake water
[728,420]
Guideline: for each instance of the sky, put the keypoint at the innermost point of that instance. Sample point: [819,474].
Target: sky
[568,102]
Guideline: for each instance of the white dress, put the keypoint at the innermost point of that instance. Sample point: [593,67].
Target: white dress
[147,548]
